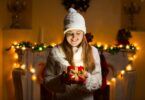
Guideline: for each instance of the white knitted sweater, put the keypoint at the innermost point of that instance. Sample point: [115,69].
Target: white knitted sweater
[56,64]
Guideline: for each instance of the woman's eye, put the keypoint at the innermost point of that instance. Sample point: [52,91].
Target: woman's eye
[69,34]
[78,33]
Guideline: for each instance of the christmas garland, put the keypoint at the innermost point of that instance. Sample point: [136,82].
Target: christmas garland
[112,49]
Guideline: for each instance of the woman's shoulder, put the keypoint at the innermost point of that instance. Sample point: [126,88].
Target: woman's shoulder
[94,49]
[56,47]
[57,50]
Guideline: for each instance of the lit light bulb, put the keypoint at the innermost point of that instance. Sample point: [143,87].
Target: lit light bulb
[15,43]
[105,47]
[113,79]
[127,47]
[40,48]
[111,47]
[16,56]
[23,66]
[122,72]
[129,68]
[12,47]
[45,46]
[23,48]
[99,44]
[16,65]
[134,56]
[135,44]
[17,47]
[53,44]
[108,83]
[32,70]
[32,47]
[34,77]
[120,45]
[137,48]
[130,58]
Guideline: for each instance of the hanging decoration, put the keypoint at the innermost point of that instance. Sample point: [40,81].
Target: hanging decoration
[81,5]
[123,37]
[89,37]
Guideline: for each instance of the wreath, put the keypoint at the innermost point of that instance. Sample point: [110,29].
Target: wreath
[81,5]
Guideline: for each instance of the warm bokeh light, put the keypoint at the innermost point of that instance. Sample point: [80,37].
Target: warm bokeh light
[32,47]
[138,48]
[16,56]
[17,47]
[108,83]
[34,77]
[23,66]
[130,58]
[32,70]
[23,48]
[122,72]
[105,47]
[120,75]
[13,49]
[127,47]
[134,57]
[15,42]
[16,65]
[40,48]
[129,67]
[53,44]
[99,44]
[45,46]
[111,47]
[113,79]
[120,45]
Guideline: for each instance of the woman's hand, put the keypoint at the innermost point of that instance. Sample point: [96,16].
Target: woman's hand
[74,75]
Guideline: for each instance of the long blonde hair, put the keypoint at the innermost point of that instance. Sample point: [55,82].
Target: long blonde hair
[87,55]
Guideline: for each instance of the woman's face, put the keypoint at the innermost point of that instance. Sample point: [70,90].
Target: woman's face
[74,37]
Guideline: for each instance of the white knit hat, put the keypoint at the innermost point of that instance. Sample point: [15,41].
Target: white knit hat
[74,20]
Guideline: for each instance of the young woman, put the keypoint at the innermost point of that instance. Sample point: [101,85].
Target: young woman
[73,51]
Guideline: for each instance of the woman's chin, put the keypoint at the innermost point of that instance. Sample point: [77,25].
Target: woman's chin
[74,45]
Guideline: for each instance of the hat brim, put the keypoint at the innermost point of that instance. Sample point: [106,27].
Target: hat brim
[65,31]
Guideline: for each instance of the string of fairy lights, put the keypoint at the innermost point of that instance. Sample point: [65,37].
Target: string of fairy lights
[112,49]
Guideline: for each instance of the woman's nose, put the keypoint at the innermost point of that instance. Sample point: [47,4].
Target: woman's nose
[74,37]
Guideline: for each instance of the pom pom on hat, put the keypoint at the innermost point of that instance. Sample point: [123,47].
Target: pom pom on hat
[74,20]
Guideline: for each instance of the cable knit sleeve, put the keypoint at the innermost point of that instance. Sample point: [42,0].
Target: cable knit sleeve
[52,75]
[94,80]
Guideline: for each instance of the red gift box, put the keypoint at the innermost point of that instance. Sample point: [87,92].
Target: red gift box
[76,74]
